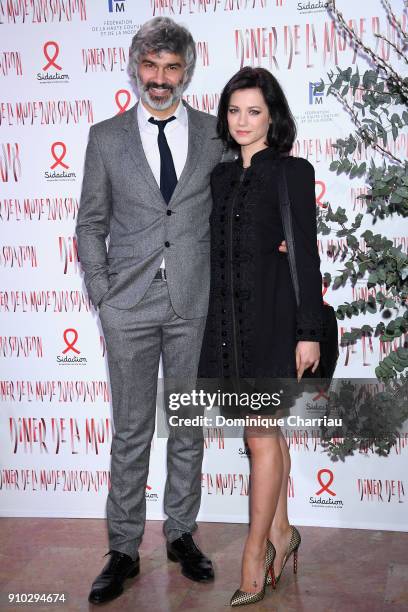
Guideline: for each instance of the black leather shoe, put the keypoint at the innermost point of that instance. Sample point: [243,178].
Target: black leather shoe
[194,564]
[109,583]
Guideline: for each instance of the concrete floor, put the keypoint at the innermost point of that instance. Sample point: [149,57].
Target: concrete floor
[339,569]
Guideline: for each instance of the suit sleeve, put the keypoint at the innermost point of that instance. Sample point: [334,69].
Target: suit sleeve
[93,221]
[301,185]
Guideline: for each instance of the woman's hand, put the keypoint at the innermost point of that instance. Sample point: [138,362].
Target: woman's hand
[307,354]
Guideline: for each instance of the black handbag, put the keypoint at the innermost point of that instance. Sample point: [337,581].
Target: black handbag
[329,346]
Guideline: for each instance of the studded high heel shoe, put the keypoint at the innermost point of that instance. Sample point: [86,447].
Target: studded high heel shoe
[242,598]
[292,548]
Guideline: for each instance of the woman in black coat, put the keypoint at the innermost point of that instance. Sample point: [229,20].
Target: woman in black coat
[254,328]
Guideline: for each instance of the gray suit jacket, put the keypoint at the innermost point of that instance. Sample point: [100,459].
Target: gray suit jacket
[121,199]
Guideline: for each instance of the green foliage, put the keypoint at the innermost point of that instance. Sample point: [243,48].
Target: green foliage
[393,364]
[372,416]
[377,103]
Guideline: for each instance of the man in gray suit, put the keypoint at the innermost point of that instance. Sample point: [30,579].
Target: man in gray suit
[147,186]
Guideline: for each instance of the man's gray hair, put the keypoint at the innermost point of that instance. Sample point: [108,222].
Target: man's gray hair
[162,34]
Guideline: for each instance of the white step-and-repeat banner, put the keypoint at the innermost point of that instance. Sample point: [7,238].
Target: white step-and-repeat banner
[63,68]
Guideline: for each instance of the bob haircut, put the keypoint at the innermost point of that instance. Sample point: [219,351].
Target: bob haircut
[282,131]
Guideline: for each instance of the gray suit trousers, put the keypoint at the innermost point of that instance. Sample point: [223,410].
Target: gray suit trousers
[135,339]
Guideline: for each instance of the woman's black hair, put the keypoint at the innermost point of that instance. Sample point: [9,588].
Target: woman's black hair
[282,130]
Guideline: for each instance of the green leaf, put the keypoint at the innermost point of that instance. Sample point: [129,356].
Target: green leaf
[395,198]
[362,169]
[372,278]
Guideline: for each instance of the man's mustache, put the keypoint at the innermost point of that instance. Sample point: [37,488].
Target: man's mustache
[152,85]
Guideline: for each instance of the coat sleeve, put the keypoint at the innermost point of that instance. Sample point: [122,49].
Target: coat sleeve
[301,186]
[93,221]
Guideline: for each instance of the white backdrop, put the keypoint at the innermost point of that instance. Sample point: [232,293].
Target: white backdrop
[63,68]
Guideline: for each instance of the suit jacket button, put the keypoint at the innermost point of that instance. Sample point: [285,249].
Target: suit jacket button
[167,243]
[169,212]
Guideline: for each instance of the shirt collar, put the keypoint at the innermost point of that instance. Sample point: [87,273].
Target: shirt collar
[144,115]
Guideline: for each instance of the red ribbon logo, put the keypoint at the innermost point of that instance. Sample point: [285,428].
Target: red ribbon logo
[51,60]
[321,392]
[325,486]
[324,291]
[122,107]
[58,160]
[319,197]
[70,345]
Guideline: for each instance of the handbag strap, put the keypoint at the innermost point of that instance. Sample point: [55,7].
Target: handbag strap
[286,214]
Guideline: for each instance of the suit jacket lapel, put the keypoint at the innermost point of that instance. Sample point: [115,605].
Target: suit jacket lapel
[135,148]
[194,150]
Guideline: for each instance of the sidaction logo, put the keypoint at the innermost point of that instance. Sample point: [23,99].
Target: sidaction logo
[59,167]
[149,495]
[52,69]
[71,354]
[122,99]
[312,6]
[326,497]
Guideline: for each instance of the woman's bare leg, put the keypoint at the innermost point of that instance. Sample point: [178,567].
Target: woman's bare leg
[280,531]
[266,485]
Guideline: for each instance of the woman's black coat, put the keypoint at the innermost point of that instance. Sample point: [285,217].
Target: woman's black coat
[253,323]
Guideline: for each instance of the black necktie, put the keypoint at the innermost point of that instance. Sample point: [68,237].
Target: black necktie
[168,176]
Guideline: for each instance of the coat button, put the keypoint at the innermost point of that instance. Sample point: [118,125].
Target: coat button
[167,244]
[169,212]
[300,331]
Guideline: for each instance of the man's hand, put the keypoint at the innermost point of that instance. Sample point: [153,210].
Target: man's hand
[307,354]
[282,247]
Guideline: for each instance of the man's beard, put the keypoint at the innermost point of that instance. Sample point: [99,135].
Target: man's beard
[159,103]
